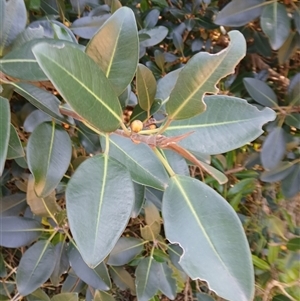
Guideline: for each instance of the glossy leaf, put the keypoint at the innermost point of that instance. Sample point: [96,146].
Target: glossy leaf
[176,161]
[260,92]
[48,155]
[157,34]
[125,250]
[143,165]
[145,86]
[151,18]
[186,99]
[238,13]
[139,191]
[41,99]
[76,77]
[4,131]
[98,277]
[122,279]
[115,48]
[97,221]
[293,120]
[27,35]
[219,245]
[278,173]
[34,119]
[273,148]
[16,231]
[35,267]
[65,297]
[152,276]
[15,148]
[275,23]
[231,121]
[12,205]
[103,296]
[12,22]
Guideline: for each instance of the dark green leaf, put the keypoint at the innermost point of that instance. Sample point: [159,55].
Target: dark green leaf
[290,185]
[97,227]
[35,267]
[278,173]
[289,48]
[15,148]
[293,244]
[275,23]
[3,272]
[98,277]
[12,205]
[65,297]
[38,295]
[227,124]
[16,231]
[230,258]
[186,99]
[243,187]
[157,34]
[34,119]
[178,42]
[125,250]
[48,154]
[115,48]
[122,279]
[293,120]
[4,131]
[76,77]
[139,191]
[238,13]
[151,18]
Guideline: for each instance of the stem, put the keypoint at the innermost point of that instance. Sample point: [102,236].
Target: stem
[123,126]
[164,127]
[106,144]
[164,162]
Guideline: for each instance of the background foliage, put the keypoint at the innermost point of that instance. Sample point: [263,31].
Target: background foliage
[38,260]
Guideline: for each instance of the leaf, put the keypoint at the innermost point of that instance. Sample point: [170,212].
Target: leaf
[98,277]
[12,22]
[139,191]
[204,297]
[177,162]
[125,250]
[293,120]
[97,227]
[103,296]
[122,279]
[152,276]
[275,23]
[293,90]
[115,48]
[16,231]
[15,148]
[143,165]
[76,77]
[289,47]
[290,185]
[273,148]
[145,87]
[219,246]
[4,131]
[48,154]
[35,267]
[260,92]
[34,119]
[65,297]
[61,263]
[45,207]
[151,18]
[87,27]
[186,99]
[178,42]
[38,295]
[278,173]
[227,123]
[151,213]
[157,34]
[41,99]
[27,35]
[238,13]
[261,264]
[293,244]
[12,205]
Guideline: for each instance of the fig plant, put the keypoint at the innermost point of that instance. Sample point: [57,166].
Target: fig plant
[182,121]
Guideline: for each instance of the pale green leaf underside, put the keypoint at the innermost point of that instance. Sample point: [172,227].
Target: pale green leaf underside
[200,75]
[213,241]
[82,83]
[228,123]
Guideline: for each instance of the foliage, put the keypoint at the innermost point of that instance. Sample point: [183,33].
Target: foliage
[95,208]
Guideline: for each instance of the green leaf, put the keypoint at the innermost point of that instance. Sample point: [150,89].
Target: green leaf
[12,22]
[15,148]
[98,277]
[139,191]
[200,75]
[97,227]
[145,87]
[35,267]
[4,131]
[152,276]
[227,123]
[275,23]
[143,165]
[260,92]
[76,77]
[30,33]
[12,205]
[278,173]
[294,244]
[48,154]
[244,187]
[122,279]
[238,13]
[157,34]
[16,231]
[103,296]
[41,99]
[261,264]
[219,245]
[204,297]
[65,297]
[289,48]
[115,48]
[38,295]
[125,250]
